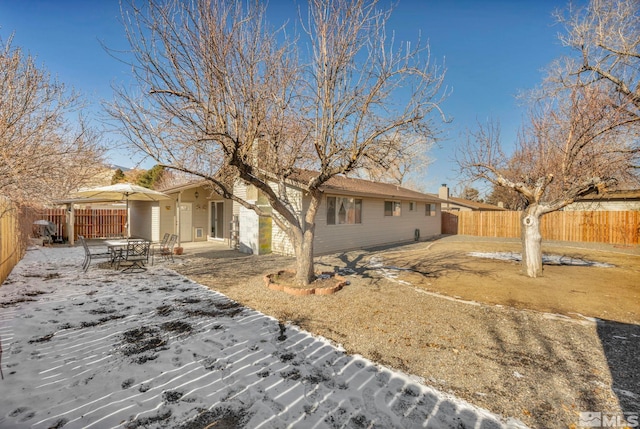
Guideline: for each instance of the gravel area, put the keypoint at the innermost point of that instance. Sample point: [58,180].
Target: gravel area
[540,368]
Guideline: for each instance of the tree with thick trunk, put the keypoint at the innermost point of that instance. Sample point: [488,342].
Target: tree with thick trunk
[223,97]
[582,135]
[573,146]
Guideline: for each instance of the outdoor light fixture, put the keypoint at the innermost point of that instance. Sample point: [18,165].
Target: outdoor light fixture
[196,194]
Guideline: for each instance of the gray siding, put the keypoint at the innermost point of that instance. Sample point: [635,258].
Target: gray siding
[376,228]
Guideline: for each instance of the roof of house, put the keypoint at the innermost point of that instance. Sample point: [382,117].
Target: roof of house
[360,187]
[341,185]
[185,186]
[475,205]
[627,194]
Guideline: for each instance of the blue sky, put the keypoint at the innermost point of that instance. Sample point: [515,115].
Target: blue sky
[492,49]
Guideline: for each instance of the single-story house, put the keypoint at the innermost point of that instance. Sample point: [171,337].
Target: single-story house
[354,213]
[453,204]
[194,212]
[625,200]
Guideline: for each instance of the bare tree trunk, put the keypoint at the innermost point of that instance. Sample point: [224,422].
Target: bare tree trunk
[305,272]
[531,241]
[304,260]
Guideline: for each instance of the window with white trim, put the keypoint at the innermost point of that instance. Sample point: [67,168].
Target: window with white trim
[344,210]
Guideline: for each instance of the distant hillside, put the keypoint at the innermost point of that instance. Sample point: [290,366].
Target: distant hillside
[114,167]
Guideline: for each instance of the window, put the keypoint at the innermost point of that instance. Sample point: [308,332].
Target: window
[430,209]
[392,208]
[344,210]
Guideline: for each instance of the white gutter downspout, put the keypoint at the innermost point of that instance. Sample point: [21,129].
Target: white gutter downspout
[178,204]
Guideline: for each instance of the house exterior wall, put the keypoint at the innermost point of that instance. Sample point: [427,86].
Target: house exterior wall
[200,221]
[200,213]
[167,217]
[280,242]
[141,219]
[255,232]
[249,231]
[375,229]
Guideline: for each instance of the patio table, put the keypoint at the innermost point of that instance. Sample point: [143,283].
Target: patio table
[117,247]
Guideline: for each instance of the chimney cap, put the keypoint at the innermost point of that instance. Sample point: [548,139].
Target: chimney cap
[444,184]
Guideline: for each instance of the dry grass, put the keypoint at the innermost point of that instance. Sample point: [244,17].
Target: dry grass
[475,328]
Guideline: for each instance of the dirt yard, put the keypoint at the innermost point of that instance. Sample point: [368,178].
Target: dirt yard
[474,327]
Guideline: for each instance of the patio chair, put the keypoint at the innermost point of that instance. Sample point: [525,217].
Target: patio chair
[155,248]
[166,251]
[88,255]
[135,254]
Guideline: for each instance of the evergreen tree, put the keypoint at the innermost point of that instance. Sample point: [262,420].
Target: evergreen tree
[149,178]
[118,177]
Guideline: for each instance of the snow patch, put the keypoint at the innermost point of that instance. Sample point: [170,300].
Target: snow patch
[546,259]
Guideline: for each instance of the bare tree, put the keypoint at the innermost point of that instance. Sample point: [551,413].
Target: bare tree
[604,37]
[43,155]
[509,198]
[471,194]
[582,135]
[222,96]
[575,145]
[403,161]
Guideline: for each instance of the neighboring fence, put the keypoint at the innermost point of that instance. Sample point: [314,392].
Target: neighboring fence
[11,242]
[449,223]
[614,227]
[90,223]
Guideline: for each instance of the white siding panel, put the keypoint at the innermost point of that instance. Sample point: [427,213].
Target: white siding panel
[155,223]
[249,233]
[375,229]
[240,190]
[280,242]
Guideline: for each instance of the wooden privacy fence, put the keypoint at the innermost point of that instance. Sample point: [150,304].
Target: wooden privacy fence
[90,223]
[11,245]
[614,227]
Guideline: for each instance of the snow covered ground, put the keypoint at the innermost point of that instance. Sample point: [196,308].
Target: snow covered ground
[546,259]
[104,349]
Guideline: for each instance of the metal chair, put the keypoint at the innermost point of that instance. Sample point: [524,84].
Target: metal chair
[166,251]
[136,254]
[155,248]
[88,255]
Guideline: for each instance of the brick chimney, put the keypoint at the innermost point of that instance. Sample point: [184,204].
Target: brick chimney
[443,192]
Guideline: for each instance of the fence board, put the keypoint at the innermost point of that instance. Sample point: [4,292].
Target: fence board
[90,223]
[613,227]
[11,247]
